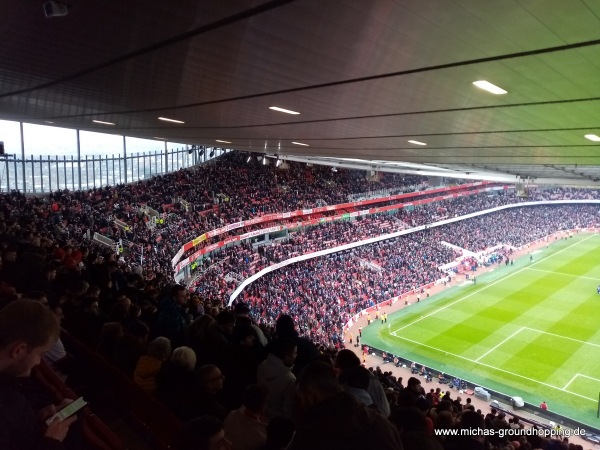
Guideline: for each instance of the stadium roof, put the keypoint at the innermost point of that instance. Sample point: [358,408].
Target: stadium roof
[367,77]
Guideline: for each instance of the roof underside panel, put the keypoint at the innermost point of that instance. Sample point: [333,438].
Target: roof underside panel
[366,77]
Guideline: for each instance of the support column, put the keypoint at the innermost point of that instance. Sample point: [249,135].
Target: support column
[24,182]
[166,159]
[125,158]
[79,159]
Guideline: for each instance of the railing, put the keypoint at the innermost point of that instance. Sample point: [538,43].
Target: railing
[179,266]
[384,192]
[44,174]
[449,191]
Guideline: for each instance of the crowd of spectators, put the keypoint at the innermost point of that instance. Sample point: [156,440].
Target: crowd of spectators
[205,360]
[519,226]
[245,260]
[190,202]
[323,293]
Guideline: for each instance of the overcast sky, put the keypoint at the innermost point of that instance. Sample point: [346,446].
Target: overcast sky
[49,140]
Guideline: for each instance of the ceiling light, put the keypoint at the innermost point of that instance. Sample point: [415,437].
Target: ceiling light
[300,143]
[166,119]
[417,142]
[287,111]
[102,122]
[487,86]
[593,137]
[224,142]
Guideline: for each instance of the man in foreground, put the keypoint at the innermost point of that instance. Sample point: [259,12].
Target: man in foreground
[27,330]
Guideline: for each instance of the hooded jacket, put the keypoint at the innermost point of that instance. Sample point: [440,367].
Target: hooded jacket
[281,383]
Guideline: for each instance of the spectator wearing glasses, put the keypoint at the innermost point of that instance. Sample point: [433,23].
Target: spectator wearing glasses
[210,382]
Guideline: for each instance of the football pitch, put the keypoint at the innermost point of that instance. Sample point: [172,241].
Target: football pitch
[530,330]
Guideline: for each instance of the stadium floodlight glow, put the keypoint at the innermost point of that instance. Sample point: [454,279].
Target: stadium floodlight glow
[417,142]
[166,119]
[102,122]
[487,86]
[283,110]
[223,142]
[300,143]
[593,137]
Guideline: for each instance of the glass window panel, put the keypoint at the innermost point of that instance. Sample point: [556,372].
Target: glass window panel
[47,140]
[138,145]
[175,146]
[100,143]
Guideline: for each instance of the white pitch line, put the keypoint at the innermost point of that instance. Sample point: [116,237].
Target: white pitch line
[487,286]
[580,375]
[585,376]
[572,379]
[498,369]
[495,347]
[564,337]
[564,274]
[394,333]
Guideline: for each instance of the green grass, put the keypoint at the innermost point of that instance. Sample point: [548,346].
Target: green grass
[529,330]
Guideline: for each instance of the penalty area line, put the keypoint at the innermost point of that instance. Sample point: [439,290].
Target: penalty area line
[489,366]
[498,345]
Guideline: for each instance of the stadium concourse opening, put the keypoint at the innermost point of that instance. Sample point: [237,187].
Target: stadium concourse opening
[161,363]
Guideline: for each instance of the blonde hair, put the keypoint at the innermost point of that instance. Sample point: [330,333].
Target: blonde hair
[184,356]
